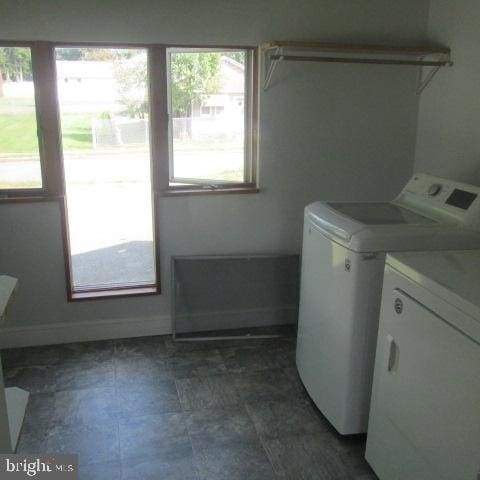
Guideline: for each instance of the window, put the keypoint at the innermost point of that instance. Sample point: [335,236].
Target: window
[87,126]
[211,118]
[20,167]
[106,155]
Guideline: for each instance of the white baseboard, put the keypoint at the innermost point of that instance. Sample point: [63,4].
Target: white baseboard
[54,333]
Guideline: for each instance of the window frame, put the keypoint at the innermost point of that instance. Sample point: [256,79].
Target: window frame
[134,289]
[184,185]
[48,125]
[48,120]
[31,191]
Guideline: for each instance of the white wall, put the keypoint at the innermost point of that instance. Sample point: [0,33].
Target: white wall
[336,132]
[448,141]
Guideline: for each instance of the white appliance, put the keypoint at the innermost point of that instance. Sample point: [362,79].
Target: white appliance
[425,411]
[343,258]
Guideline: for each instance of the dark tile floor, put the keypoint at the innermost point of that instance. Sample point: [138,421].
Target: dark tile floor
[150,408]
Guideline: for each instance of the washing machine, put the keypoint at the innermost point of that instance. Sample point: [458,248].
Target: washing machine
[343,260]
[425,409]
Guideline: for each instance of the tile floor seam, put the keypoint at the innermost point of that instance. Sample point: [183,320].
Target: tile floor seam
[265,451]
[119,448]
[260,439]
[194,456]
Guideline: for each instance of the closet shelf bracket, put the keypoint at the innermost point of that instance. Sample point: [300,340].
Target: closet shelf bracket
[431,57]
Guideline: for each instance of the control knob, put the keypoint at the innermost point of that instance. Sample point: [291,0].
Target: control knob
[434,189]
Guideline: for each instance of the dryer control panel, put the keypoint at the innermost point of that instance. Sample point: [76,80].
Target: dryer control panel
[461,199]
[442,199]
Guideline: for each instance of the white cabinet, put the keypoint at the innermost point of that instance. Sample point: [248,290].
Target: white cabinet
[425,409]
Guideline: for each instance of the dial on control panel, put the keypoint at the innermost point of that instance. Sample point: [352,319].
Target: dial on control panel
[434,189]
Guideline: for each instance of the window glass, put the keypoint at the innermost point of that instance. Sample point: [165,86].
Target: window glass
[20,166]
[104,106]
[207,94]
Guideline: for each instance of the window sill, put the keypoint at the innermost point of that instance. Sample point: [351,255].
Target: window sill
[36,198]
[114,293]
[176,191]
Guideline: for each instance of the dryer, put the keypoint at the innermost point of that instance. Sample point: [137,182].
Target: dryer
[425,410]
[343,259]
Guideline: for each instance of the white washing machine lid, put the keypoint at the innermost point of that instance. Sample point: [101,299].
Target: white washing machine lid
[452,276]
[386,227]
[430,213]
[379,214]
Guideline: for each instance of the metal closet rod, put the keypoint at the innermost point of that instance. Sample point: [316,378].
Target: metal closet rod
[307,58]
[356,48]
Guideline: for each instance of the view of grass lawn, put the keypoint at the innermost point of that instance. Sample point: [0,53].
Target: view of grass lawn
[18,128]
[77,131]
[18,134]
[20,184]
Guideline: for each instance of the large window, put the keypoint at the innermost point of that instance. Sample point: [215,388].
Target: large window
[20,167]
[104,107]
[106,129]
[211,118]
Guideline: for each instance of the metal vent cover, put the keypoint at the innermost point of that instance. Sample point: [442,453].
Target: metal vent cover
[221,293]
